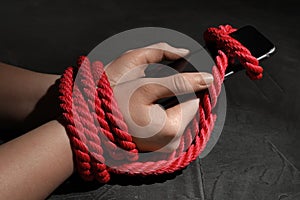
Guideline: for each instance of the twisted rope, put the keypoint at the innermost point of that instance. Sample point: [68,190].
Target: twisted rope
[99,136]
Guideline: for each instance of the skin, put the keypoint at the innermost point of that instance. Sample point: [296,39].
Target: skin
[32,97]
[34,164]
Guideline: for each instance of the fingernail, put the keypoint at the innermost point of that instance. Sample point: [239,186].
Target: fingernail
[206,78]
[183,51]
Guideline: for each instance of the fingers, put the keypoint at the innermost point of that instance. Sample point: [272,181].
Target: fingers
[131,65]
[178,118]
[161,51]
[166,127]
[153,89]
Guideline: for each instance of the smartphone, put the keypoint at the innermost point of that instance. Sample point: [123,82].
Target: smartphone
[259,46]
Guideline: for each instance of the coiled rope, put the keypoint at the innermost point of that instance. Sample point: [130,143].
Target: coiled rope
[97,130]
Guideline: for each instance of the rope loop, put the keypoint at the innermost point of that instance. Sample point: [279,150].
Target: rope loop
[221,39]
[97,130]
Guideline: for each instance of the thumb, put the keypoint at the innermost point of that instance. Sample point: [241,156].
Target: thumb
[178,84]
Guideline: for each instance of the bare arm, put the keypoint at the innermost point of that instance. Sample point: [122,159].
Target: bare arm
[27,98]
[33,165]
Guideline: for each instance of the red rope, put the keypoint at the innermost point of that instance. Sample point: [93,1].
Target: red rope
[99,136]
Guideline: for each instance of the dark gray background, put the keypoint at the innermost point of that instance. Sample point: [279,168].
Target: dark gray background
[257,156]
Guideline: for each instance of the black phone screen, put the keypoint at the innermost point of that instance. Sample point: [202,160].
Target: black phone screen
[257,43]
[259,46]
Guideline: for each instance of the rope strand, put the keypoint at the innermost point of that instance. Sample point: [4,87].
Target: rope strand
[98,132]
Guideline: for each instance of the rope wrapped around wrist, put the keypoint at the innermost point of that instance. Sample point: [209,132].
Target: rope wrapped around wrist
[97,130]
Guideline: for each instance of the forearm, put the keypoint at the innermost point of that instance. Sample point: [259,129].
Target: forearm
[22,94]
[33,165]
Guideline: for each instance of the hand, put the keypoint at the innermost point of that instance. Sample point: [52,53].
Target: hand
[153,127]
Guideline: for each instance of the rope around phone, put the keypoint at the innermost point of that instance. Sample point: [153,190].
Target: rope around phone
[96,128]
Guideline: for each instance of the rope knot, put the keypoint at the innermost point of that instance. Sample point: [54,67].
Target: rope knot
[220,38]
[99,135]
